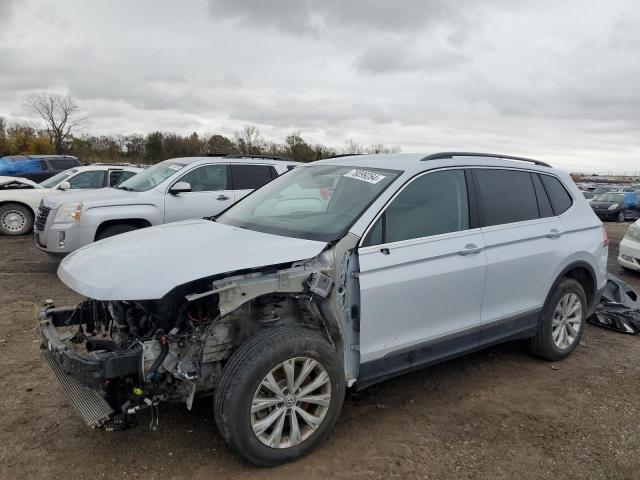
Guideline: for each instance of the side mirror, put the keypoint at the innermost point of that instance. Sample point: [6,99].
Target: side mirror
[64,186]
[180,187]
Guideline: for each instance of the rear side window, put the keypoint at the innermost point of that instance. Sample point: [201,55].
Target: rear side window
[433,204]
[543,200]
[506,196]
[560,198]
[250,177]
[63,163]
[118,176]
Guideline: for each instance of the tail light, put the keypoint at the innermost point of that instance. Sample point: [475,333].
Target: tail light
[605,237]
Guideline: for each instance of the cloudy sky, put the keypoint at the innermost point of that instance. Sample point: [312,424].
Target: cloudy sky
[557,80]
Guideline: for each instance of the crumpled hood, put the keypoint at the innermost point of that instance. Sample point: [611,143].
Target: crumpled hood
[146,264]
[94,197]
[5,181]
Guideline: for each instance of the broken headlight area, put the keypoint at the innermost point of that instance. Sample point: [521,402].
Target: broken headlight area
[118,358]
[133,354]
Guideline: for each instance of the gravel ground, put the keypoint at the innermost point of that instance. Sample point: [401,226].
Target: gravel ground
[496,414]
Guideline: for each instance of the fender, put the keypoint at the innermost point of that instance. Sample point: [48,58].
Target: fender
[563,273]
[94,216]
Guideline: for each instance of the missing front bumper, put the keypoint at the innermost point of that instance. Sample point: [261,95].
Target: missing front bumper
[93,409]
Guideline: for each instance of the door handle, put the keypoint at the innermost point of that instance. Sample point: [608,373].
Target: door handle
[470,249]
[385,251]
[554,233]
[222,197]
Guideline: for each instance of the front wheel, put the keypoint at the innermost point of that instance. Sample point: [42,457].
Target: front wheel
[562,322]
[15,219]
[279,396]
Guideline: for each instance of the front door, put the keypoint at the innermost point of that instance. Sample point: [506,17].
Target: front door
[209,195]
[422,271]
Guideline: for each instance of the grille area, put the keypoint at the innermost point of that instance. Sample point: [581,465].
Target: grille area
[93,409]
[41,218]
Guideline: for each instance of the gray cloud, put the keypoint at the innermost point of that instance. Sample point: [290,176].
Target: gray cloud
[403,58]
[557,80]
[315,16]
[6,9]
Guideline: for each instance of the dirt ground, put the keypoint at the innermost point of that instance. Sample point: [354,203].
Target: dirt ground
[498,414]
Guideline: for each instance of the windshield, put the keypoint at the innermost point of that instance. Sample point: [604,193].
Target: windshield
[56,179]
[609,197]
[316,203]
[151,177]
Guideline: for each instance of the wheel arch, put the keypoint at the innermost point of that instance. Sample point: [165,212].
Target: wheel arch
[17,202]
[582,272]
[134,222]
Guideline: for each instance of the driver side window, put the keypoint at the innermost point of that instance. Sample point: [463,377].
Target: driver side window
[432,204]
[209,178]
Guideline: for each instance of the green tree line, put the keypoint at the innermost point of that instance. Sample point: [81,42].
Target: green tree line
[19,138]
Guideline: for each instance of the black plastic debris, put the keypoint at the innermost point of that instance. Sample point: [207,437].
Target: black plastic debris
[619,308]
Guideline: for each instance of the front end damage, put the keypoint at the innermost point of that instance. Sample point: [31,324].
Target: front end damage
[117,358]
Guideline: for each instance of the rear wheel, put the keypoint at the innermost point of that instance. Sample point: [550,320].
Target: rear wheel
[15,219]
[621,216]
[279,396]
[115,230]
[562,323]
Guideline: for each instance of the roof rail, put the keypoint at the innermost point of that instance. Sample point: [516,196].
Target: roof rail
[210,154]
[338,155]
[443,155]
[267,157]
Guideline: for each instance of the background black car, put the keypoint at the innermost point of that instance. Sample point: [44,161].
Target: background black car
[36,167]
[618,206]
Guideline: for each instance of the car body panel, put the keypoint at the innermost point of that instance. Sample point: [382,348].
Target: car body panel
[148,263]
[32,197]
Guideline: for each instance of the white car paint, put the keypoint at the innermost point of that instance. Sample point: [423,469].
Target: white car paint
[629,251]
[122,266]
[31,197]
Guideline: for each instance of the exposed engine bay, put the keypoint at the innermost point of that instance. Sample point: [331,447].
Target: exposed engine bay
[136,354]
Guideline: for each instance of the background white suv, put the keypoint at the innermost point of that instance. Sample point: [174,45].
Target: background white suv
[20,197]
[176,189]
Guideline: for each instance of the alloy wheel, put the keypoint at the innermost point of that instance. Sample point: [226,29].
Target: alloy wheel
[291,402]
[567,320]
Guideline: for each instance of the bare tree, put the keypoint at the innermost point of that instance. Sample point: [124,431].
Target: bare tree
[61,115]
[248,140]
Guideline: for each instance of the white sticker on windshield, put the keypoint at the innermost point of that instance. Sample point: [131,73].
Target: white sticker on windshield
[364,175]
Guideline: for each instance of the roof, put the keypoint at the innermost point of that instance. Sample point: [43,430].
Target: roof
[415,162]
[239,159]
[107,166]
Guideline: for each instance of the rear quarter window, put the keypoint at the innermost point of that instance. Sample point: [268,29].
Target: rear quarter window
[506,196]
[558,195]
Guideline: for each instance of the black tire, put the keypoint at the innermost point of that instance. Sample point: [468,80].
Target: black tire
[621,217]
[115,230]
[542,343]
[15,219]
[243,374]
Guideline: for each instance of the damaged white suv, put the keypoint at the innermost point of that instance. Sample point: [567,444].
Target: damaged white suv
[339,274]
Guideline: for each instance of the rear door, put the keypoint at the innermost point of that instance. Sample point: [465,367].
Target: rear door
[422,271]
[246,178]
[209,195]
[522,239]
